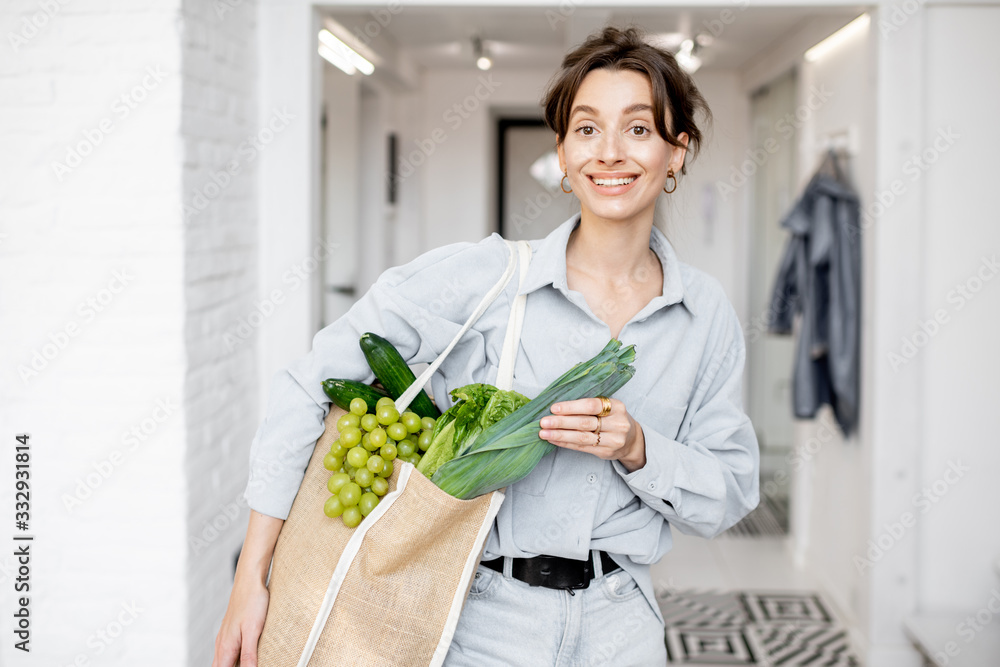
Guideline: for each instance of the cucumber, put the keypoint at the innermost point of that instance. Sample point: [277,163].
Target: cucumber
[341,392]
[391,370]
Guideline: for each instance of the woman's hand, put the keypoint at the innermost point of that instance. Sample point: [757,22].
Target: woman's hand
[244,619]
[241,626]
[575,424]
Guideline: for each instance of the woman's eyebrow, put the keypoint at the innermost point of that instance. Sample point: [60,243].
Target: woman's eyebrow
[583,108]
[636,108]
[630,109]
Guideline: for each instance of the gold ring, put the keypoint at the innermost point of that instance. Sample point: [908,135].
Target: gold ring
[598,429]
[606,406]
[598,439]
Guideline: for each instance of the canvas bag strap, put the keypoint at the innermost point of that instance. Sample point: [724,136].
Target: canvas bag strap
[512,339]
[411,392]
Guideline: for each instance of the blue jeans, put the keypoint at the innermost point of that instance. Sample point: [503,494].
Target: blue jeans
[507,623]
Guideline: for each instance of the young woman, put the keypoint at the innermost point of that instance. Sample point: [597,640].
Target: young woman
[672,448]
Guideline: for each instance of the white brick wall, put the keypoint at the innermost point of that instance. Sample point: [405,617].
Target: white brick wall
[220,255]
[110,348]
[139,415]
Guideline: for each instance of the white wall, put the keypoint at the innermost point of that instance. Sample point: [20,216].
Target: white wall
[706,225]
[92,292]
[223,137]
[288,183]
[456,137]
[129,273]
[838,92]
[959,538]
[340,196]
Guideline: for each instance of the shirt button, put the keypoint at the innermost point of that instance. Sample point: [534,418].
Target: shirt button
[652,485]
[591,478]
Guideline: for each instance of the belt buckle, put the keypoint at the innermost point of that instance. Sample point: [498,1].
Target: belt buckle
[546,563]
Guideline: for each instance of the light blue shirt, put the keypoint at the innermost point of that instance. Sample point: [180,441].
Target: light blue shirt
[702,459]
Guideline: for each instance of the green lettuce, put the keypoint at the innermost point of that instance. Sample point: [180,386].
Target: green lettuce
[476,407]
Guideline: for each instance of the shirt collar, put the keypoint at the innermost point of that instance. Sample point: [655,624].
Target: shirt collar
[548,265]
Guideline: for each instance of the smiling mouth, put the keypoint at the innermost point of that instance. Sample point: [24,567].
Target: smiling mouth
[611,182]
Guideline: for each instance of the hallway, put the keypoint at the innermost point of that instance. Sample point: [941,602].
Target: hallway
[191,191]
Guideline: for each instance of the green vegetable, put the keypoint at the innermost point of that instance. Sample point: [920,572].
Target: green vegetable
[391,370]
[507,450]
[342,392]
[475,407]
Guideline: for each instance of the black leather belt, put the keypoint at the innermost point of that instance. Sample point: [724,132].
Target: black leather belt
[554,571]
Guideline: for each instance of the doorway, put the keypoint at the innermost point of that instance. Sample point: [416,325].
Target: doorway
[769,357]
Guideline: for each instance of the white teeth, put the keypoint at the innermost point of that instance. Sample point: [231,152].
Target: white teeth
[614,181]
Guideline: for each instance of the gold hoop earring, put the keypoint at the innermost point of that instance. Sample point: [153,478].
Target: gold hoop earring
[670,174]
[561,186]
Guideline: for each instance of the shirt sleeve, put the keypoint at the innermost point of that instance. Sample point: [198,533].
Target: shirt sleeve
[419,306]
[709,479]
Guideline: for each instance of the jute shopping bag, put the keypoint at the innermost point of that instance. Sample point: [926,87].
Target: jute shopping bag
[405,576]
[390,591]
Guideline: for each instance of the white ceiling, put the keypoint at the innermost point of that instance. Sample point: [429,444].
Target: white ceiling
[436,37]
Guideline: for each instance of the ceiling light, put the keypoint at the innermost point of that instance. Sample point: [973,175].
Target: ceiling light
[483,61]
[337,60]
[341,55]
[688,62]
[352,40]
[829,44]
[686,57]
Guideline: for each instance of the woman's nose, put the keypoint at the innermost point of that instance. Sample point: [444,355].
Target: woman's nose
[611,148]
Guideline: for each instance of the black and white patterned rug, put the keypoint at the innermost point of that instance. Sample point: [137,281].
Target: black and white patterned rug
[760,628]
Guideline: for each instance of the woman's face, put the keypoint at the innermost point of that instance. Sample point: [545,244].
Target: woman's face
[615,160]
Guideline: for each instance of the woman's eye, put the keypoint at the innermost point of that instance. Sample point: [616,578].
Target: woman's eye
[586,130]
[639,131]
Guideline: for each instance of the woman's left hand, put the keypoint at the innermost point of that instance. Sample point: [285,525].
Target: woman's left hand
[575,425]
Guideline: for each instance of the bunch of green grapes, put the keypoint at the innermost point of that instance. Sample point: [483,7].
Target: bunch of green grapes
[361,459]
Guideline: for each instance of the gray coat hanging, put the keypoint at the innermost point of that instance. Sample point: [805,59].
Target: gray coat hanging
[820,279]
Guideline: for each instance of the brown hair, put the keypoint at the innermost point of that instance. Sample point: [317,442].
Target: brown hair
[616,49]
